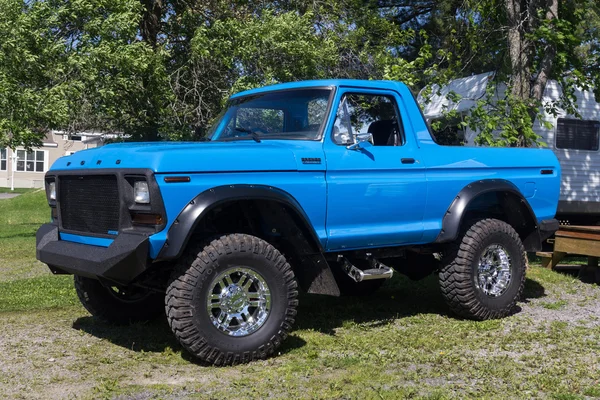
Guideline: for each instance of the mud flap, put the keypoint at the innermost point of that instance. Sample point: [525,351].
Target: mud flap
[315,276]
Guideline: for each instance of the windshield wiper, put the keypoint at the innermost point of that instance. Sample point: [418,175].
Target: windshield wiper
[253,134]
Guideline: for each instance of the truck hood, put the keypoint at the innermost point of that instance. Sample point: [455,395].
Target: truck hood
[174,157]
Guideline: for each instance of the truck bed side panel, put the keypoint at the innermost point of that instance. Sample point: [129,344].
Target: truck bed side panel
[449,169]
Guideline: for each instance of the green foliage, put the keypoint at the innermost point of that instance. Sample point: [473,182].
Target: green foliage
[503,120]
[73,65]
[561,46]
[164,73]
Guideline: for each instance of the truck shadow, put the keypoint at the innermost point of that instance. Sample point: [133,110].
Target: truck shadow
[398,298]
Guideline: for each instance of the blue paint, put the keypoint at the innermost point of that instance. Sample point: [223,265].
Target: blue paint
[353,199]
[89,240]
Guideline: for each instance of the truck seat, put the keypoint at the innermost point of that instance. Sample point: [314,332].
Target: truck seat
[385,133]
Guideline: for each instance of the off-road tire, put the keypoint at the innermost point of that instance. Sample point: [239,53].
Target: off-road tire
[459,267]
[103,303]
[192,281]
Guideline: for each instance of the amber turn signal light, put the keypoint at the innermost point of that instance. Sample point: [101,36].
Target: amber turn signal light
[147,219]
[175,179]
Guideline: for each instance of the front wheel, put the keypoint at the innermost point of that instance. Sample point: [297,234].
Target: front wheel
[232,301]
[483,272]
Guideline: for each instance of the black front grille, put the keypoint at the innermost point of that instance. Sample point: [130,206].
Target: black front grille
[89,203]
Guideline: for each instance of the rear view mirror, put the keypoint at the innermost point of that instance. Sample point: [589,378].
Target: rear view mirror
[361,141]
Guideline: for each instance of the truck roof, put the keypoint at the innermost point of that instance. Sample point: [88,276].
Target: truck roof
[363,84]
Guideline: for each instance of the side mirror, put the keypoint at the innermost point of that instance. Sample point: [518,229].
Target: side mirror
[361,141]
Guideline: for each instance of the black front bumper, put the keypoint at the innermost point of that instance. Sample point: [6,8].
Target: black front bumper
[121,262]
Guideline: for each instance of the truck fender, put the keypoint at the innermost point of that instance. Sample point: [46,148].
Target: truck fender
[312,270]
[454,216]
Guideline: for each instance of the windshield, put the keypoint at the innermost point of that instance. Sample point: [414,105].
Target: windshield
[288,114]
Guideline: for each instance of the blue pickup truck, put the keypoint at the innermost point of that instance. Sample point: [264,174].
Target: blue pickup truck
[324,186]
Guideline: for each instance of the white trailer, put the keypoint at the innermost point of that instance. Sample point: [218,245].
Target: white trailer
[575,141]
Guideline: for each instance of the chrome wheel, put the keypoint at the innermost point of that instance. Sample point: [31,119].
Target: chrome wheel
[493,273]
[239,301]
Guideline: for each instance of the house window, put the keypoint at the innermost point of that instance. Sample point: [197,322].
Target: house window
[577,134]
[31,161]
[3,159]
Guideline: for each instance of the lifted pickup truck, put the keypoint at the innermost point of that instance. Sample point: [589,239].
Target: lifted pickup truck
[327,186]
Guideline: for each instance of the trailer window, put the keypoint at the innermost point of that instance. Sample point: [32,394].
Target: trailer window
[577,134]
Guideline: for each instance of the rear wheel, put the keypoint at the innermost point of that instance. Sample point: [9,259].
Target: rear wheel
[483,272]
[118,304]
[232,301]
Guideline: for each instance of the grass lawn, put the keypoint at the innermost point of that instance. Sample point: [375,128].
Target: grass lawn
[399,343]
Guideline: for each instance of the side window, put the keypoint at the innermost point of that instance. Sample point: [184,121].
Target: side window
[577,134]
[367,113]
[448,131]
[265,120]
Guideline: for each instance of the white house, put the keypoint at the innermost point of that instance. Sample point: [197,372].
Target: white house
[30,166]
[575,142]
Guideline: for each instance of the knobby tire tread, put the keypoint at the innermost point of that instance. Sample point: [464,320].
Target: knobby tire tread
[189,271]
[456,279]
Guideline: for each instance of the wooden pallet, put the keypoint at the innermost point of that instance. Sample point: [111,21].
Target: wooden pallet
[577,240]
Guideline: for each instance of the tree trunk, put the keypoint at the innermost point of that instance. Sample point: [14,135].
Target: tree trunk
[151,19]
[523,20]
[518,49]
[547,62]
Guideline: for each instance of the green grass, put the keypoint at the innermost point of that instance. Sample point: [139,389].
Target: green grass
[37,294]
[20,217]
[556,305]
[399,343]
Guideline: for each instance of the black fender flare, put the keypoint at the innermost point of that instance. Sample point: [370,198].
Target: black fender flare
[453,218]
[313,272]
[184,225]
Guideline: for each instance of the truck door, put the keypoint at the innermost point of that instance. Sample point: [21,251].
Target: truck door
[376,194]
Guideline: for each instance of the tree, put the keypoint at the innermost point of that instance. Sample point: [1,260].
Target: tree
[72,65]
[157,69]
[161,69]
[525,43]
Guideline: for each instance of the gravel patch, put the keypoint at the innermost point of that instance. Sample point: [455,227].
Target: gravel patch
[575,304]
